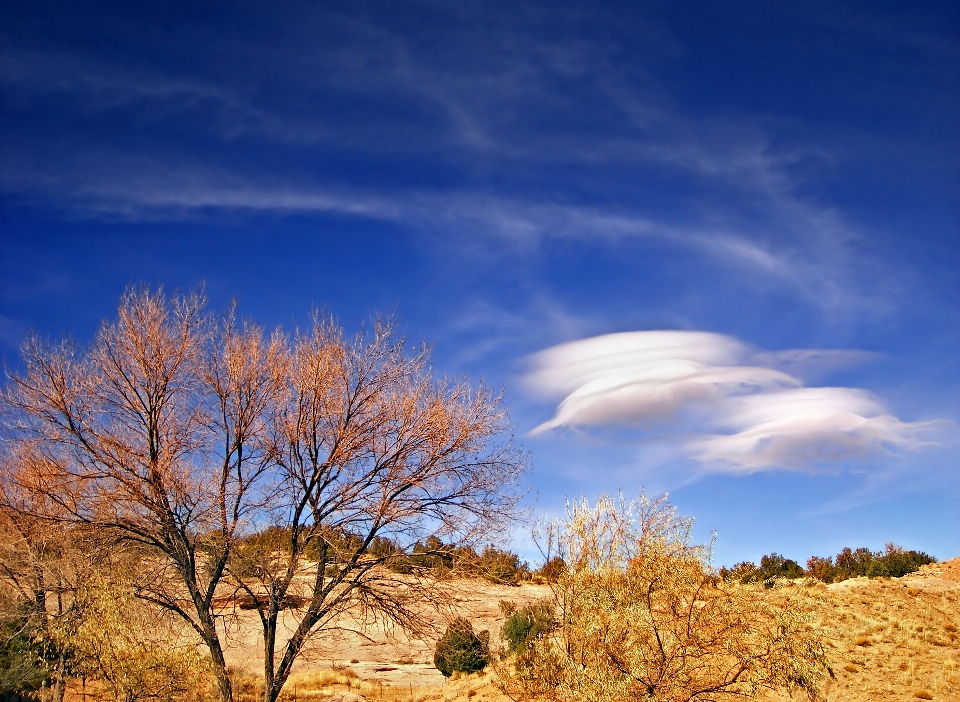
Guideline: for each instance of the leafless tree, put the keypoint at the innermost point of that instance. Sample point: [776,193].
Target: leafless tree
[369,445]
[199,440]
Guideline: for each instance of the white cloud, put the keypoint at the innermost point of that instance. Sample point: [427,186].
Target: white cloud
[707,391]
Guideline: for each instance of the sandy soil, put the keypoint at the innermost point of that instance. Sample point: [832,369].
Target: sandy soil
[381,654]
[896,639]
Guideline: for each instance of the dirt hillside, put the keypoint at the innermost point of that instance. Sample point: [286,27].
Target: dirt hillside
[887,639]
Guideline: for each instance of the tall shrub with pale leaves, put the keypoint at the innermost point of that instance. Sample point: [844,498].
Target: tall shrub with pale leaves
[641,615]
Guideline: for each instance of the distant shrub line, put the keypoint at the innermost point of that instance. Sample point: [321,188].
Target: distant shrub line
[492,564]
[430,555]
[505,568]
[893,562]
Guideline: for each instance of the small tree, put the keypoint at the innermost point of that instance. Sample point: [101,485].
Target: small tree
[461,650]
[641,615]
[774,566]
[552,569]
[131,650]
[22,665]
[820,568]
[42,565]
[500,567]
[852,564]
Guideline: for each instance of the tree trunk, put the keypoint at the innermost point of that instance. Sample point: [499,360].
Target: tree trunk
[224,686]
[270,691]
[59,684]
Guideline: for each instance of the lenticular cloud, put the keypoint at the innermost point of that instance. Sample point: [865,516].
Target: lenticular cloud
[711,392]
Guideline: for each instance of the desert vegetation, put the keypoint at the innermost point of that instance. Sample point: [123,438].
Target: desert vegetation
[893,562]
[461,649]
[640,614]
[189,484]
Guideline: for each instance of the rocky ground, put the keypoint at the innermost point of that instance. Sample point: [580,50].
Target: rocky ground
[381,657]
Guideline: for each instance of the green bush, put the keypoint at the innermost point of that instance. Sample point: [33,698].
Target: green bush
[501,567]
[852,564]
[743,571]
[429,555]
[772,567]
[22,665]
[461,649]
[527,625]
[432,555]
[894,562]
[776,566]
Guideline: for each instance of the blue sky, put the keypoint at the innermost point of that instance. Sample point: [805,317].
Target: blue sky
[760,200]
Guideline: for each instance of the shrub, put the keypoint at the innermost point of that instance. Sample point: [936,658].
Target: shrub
[776,566]
[22,666]
[552,569]
[852,564]
[527,625]
[461,649]
[772,567]
[820,568]
[643,616]
[492,564]
[743,572]
[895,562]
[429,555]
[501,567]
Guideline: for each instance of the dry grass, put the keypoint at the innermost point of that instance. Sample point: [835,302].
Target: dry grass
[894,639]
[344,685]
[337,684]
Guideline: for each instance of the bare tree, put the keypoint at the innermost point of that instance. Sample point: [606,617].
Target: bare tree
[189,437]
[373,456]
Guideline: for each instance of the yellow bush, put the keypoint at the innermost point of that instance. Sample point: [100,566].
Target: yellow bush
[641,615]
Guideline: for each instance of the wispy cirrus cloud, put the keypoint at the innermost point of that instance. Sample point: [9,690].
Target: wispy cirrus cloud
[563,114]
[150,96]
[161,188]
[728,407]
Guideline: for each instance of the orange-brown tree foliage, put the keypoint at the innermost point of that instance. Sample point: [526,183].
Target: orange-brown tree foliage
[236,462]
